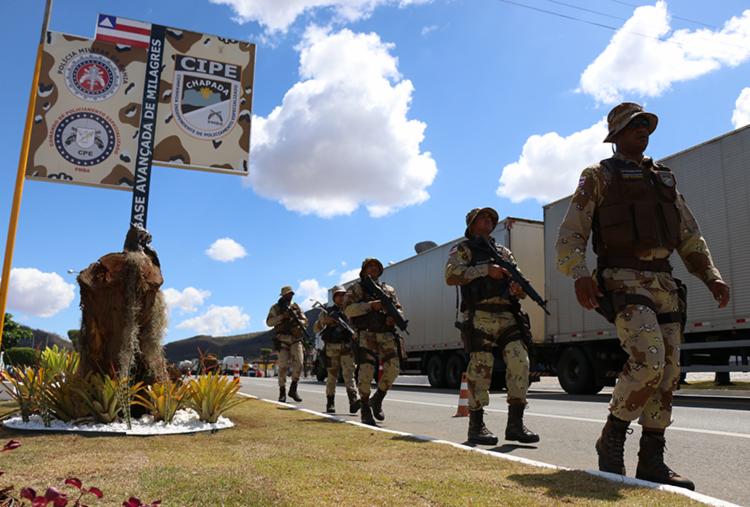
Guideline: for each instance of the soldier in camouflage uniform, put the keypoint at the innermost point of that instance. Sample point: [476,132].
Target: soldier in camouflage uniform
[489,323]
[637,217]
[288,341]
[376,339]
[337,351]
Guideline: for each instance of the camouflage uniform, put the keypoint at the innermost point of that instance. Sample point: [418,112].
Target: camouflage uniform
[458,271]
[637,218]
[645,386]
[487,313]
[288,343]
[338,356]
[373,343]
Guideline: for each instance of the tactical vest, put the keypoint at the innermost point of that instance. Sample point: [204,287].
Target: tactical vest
[481,289]
[288,327]
[335,333]
[638,211]
[372,321]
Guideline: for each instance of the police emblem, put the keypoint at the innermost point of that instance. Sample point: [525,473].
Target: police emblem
[205,96]
[85,138]
[92,77]
[667,178]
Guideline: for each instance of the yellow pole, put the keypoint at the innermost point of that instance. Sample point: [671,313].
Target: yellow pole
[21,176]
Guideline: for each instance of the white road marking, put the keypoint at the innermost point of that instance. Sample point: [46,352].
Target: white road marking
[551,416]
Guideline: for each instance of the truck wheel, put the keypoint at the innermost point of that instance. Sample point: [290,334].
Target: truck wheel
[575,372]
[435,370]
[453,370]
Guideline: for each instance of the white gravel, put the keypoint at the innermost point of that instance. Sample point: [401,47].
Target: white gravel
[185,421]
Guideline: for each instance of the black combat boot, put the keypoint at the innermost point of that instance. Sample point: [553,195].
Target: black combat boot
[478,432]
[514,429]
[293,392]
[282,394]
[354,402]
[611,445]
[366,413]
[330,408]
[377,405]
[651,466]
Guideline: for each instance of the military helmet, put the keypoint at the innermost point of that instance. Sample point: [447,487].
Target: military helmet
[286,289]
[473,214]
[337,289]
[368,261]
[622,114]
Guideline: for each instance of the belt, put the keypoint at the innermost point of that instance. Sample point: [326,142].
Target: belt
[658,265]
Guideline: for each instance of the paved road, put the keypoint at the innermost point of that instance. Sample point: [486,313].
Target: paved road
[709,441]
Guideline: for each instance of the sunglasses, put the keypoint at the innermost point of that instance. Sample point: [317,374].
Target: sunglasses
[638,122]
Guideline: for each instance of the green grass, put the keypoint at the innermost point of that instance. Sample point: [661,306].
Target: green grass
[279,456]
[710,385]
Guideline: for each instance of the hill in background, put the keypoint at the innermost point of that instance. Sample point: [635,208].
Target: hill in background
[247,345]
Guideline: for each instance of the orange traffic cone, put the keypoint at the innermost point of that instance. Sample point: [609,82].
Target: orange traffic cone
[463,398]
[236,374]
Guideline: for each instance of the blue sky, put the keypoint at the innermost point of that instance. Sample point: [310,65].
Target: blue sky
[378,124]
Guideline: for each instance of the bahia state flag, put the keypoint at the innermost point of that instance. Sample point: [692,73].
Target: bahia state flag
[117,30]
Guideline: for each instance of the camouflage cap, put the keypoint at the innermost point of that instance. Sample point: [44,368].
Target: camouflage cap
[622,114]
[286,289]
[473,214]
[368,261]
[337,289]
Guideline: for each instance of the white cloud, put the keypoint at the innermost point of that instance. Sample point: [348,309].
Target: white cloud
[217,321]
[348,276]
[341,138]
[37,293]
[226,250]
[187,301]
[307,290]
[426,30]
[278,15]
[741,114]
[645,57]
[331,272]
[550,165]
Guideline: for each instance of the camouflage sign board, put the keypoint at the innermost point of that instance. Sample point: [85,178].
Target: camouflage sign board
[87,112]
[205,103]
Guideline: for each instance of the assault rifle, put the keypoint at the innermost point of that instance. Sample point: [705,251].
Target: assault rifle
[336,315]
[369,285]
[515,275]
[284,305]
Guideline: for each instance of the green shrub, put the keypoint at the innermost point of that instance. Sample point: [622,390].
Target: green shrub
[21,357]
[162,399]
[59,362]
[211,395]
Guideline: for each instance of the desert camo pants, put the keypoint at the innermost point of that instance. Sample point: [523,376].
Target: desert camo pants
[337,360]
[290,353]
[647,382]
[384,346]
[479,372]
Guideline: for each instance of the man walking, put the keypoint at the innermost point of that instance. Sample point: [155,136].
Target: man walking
[288,323]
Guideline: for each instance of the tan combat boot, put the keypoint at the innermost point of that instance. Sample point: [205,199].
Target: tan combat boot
[651,466]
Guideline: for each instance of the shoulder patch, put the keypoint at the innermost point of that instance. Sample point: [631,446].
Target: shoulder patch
[667,178]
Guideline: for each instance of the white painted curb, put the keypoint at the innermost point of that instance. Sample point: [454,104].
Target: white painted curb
[630,481]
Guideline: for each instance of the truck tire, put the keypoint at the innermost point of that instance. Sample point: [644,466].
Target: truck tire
[454,368]
[576,373]
[436,370]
